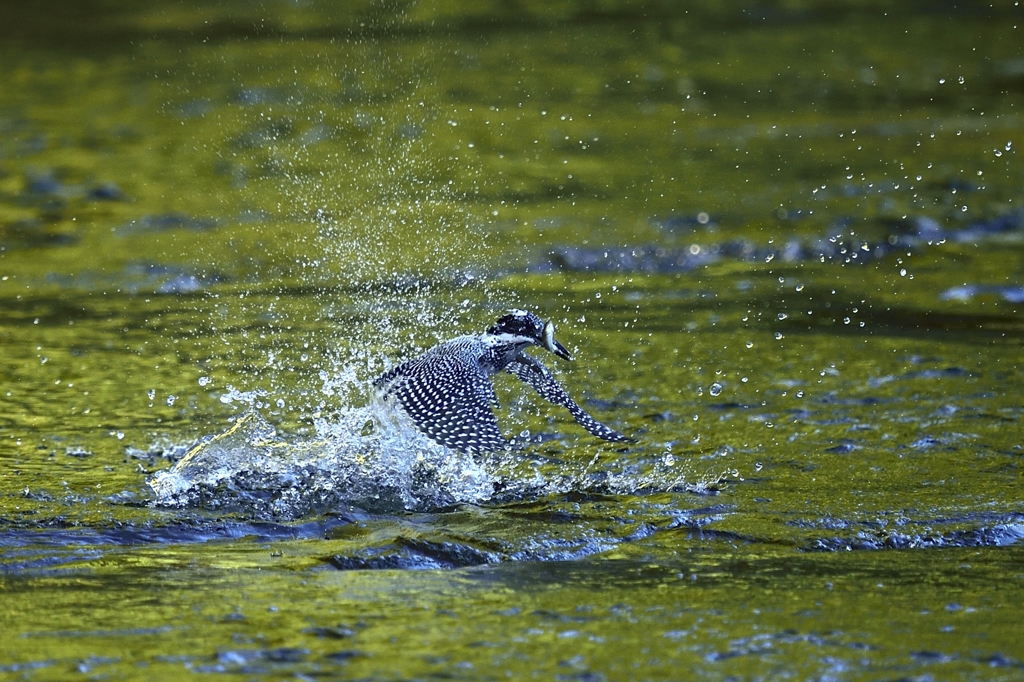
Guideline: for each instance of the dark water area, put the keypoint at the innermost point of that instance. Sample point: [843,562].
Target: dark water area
[783,241]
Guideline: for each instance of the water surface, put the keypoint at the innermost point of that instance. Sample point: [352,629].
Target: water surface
[784,243]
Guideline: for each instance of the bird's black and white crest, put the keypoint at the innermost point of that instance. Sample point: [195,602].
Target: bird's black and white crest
[519,323]
[447,391]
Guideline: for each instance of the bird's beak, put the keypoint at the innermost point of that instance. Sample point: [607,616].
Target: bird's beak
[552,345]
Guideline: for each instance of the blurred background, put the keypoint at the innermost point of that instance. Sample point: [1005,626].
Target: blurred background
[243,152]
[785,241]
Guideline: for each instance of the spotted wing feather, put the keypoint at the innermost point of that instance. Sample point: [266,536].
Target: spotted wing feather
[540,378]
[449,400]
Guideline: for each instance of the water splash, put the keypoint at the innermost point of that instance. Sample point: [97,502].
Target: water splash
[362,458]
[373,458]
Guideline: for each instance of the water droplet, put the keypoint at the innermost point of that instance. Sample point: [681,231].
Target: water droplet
[205,381]
[783,316]
[171,399]
[799,394]
[846,320]
[151,393]
[715,389]
[120,435]
[757,466]
[280,403]
[744,379]
[750,344]
[668,459]
[903,272]
[799,287]
[778,336]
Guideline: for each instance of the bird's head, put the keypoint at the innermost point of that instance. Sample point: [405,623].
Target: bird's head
[532,329]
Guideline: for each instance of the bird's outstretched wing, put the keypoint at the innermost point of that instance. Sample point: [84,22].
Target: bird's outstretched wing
[448,399]
[539,377]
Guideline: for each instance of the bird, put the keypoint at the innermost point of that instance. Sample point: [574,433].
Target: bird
[448,394]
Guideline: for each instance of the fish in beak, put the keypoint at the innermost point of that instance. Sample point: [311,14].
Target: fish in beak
[552,345]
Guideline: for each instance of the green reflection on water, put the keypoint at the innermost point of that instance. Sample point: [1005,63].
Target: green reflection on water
[731,612]
[202,196]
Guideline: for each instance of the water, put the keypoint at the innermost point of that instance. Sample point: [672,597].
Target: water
[783,243]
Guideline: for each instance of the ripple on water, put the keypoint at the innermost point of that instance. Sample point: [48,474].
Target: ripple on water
[997,535]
